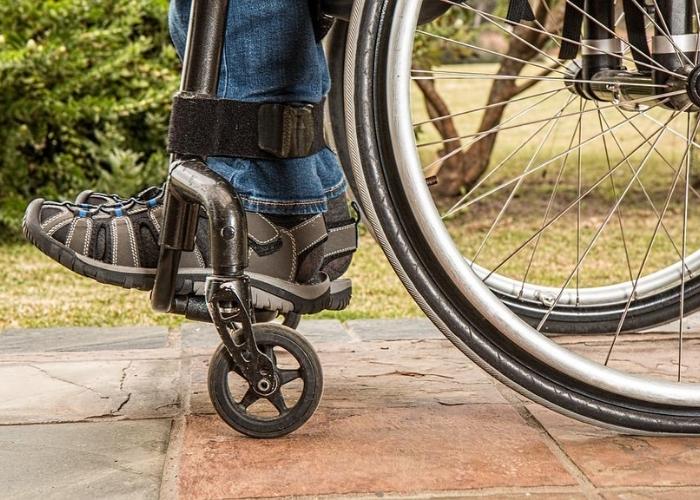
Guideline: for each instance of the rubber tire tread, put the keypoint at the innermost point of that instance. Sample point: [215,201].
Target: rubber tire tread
[220,367]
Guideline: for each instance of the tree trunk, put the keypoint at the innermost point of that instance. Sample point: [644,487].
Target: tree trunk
[439,112]
[456,176]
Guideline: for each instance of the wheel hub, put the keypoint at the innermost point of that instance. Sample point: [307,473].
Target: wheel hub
[693,86]
[633,90]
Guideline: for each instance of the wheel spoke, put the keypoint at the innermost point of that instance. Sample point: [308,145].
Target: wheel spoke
[688,165]
[463,203]
[666,162]
[277,400]
[568,207]
[500,165]
[287,375]
[513,34]
[500,128]
[578,195]
[464,75]
[484,108]
[499,54]
[505,206]
[614,190]
[249,398]
[550,202]
[652,205]
[431,168]
[647,252]
[598,232]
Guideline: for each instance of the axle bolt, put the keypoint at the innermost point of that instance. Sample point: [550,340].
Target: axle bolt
[264,386]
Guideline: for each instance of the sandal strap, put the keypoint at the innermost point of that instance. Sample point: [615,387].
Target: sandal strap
[309,234]
[342,239]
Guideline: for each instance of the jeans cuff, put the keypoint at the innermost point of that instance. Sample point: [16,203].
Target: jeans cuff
[292,207]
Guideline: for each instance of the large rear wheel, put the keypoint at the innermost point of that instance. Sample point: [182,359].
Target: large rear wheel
[605,380]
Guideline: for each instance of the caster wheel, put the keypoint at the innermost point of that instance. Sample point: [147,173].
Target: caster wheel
[292,320]
[299,385]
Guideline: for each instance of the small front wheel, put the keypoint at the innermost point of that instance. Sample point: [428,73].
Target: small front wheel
[298,380]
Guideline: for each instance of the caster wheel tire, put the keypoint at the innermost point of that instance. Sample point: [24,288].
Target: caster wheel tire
[299,385]
[292,320]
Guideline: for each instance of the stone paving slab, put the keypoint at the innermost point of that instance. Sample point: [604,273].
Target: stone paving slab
[81,339]
[73,391]
[425,448]
[116,460]
[398,329]
[609,459]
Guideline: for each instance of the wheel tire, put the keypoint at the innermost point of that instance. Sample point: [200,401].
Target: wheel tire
[267,334]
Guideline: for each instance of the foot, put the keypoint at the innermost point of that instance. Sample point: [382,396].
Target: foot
[338,249]
[118,244]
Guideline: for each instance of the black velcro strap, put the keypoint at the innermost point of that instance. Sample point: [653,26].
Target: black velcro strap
[636,33]
[571,32]
[519,10]
[204,126]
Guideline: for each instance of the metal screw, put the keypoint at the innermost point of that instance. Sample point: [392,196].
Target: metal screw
[227,232]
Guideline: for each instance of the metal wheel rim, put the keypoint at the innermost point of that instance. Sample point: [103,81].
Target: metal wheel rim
[649,285]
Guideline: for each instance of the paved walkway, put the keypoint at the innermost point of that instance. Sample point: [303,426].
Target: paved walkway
[124,413]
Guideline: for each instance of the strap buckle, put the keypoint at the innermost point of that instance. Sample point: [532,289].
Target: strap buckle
[286,130]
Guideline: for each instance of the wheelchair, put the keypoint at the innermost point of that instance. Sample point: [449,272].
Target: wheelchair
[563,99]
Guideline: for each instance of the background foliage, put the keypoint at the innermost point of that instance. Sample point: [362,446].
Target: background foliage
[85,89]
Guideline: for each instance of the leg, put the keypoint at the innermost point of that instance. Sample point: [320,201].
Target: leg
[287,66]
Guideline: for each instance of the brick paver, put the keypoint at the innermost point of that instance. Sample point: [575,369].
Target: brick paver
[124,413]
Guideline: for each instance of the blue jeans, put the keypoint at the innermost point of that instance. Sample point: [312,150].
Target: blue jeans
[270,54]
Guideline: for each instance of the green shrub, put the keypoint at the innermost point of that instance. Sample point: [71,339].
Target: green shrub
[85,89]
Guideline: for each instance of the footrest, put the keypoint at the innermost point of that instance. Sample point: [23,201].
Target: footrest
[340,295]
[194,307]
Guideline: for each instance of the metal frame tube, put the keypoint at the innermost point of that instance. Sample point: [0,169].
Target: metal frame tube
[200,75]
[673,32]
[193,182]
[205,40]
[595,36]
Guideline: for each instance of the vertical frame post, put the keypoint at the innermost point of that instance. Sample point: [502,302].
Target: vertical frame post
[200,75]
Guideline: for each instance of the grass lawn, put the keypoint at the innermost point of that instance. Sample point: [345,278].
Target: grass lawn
[36,292]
